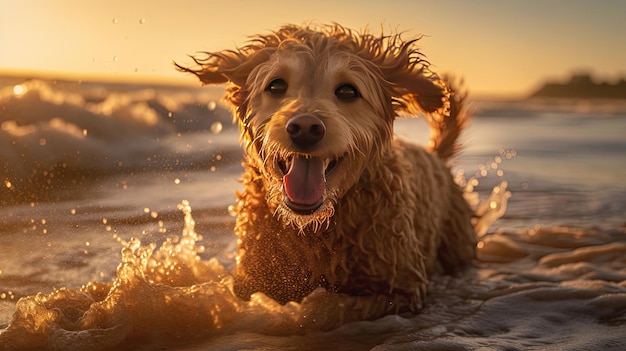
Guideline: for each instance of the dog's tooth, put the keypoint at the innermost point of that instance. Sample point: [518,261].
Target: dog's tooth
[288,161]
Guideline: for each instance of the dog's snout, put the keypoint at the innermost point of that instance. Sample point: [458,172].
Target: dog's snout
[305,130]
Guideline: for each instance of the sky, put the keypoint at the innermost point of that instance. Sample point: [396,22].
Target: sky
[502,48]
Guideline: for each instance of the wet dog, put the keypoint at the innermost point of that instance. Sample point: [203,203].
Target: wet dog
[331,198]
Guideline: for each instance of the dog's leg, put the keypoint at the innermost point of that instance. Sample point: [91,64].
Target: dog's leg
[458,242]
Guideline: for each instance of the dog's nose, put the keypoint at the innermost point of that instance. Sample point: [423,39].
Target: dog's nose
[305,130]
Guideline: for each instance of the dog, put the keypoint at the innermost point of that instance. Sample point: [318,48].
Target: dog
[331,198]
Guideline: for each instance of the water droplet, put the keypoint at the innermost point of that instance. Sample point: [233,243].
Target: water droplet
[211,105]
[232,210]
[19,90]
[142,20]
[176,181]
[114,20]
[216,127]
[115,58]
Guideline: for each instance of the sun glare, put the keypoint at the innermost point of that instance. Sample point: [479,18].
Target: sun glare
[19,90]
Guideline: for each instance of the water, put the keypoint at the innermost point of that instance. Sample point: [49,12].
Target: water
[115,231]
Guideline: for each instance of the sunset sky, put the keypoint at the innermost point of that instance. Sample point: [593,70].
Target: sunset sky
[501,48]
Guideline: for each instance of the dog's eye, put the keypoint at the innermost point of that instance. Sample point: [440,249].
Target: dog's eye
[277,86]
[347,92]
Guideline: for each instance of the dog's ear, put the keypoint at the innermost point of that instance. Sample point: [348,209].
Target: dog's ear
[413,87]
[417,92]
[227,66]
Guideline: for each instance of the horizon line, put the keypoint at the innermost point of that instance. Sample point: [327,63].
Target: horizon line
[131,78]
[165,80]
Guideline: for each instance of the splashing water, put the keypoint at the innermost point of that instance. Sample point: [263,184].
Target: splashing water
[164,296]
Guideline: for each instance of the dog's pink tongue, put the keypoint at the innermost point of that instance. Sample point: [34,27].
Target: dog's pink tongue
[304,183]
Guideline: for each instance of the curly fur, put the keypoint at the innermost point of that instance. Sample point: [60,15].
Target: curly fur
[391,212]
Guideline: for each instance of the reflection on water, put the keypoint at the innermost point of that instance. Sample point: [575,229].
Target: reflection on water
[97,251]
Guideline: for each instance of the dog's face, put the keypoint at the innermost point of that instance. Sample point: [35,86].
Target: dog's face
[316,107]
[312,123]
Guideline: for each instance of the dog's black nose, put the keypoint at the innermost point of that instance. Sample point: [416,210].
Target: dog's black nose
[305,130]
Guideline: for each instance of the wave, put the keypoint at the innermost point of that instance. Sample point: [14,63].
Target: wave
[51,137]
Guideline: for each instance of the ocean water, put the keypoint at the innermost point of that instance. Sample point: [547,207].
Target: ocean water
[115,230]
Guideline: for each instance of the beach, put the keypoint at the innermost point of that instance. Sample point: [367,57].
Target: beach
[116,233]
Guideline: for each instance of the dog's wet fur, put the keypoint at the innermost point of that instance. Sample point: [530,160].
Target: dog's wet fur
[331,198]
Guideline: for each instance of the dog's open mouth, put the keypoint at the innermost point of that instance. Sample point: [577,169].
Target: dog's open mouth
[304,181]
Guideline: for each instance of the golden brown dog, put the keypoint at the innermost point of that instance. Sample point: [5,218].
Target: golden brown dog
[331,198]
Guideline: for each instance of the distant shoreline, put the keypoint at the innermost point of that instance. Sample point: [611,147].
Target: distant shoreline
[581,86]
